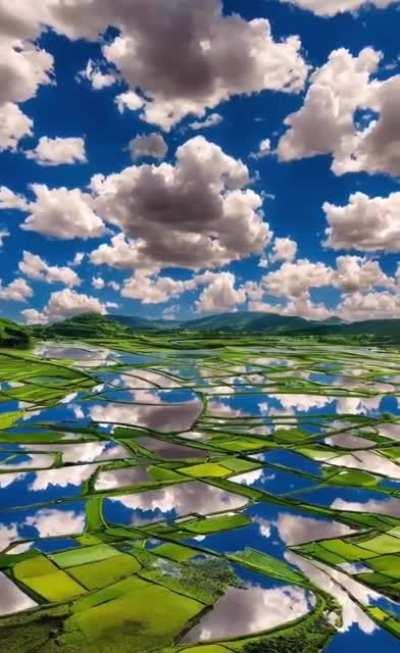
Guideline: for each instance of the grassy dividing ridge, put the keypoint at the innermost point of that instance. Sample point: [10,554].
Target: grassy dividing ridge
[213,648]
[209,525]
[267,564]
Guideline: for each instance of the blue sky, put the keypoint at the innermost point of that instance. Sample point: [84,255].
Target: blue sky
[149,165]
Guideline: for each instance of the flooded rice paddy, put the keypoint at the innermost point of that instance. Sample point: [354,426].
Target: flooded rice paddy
[204,496]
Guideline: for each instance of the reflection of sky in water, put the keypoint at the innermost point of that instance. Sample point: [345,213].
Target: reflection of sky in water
[349,593]
[273,529]
[367,461]
[162,418]
[25,461]
[33,433]
[159,417]
[147,396]
[61,414]
[84,353]
[49,521]
[255,609]
[354,639]
[26,488]
[12,599]
[349,441]
[9,406]
[54,545]
[109,480]
[276,481]
[353,499]
[169,503]
[171,450]
[83,451]
[79,353]
[350,597]
[391,431]
[144,379]
[388,605]
[273,405]
[290,459]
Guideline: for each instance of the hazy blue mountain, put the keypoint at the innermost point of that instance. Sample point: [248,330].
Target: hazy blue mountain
[247,321]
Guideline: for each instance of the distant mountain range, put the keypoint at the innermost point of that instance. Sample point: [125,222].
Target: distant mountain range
[93,325]
[245,321]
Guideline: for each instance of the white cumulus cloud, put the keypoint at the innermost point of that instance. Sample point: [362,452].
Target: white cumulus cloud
[11,200]
[365,223]
[150,145]
[372,305]
[356,273]
[34,267]
[24,68]
[284,249]
[14,125]
[220,294]
[327,123]
[213,120]
[196,214]
[64,304]
[16,291]
[295,279]
[329,8]
[60,212]
[150,289]
[58,151]
[178,75]
[94,74]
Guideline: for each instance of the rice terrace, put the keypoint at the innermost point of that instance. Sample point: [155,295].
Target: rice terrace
[198,492]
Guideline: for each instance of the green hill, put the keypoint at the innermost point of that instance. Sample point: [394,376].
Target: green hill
[13,335]
[90,325]
[142,324]
[388,329]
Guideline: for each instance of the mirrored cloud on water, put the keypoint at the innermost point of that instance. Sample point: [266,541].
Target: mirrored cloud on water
[12,599]
[249,611]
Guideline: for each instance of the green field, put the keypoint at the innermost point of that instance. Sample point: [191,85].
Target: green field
[146,475]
